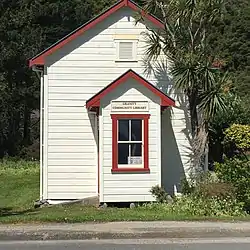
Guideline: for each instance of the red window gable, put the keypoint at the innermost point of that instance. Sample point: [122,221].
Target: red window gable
[94,102]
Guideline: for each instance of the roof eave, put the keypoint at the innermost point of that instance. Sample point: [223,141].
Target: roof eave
[39,59]
[94,101]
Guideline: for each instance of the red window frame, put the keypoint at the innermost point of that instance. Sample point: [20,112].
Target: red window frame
[115,118]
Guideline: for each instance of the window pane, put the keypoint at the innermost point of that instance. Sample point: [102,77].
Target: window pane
[136,154]
[123,153]
[136,149]
[136,130]
[123,130]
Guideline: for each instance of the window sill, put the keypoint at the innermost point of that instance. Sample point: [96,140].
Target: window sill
[131,170]
[122,61]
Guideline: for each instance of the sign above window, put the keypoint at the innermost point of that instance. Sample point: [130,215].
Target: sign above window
[129,106]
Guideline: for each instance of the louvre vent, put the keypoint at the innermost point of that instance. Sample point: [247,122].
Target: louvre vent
[126,50]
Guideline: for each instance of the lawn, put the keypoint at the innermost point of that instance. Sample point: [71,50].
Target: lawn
[20,188]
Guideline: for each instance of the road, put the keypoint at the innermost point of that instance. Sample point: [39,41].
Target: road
[145,244]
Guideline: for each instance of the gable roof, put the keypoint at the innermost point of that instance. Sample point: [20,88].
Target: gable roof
[40,58]
[94,101]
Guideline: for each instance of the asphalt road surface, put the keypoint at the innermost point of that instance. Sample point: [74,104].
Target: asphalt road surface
[150,244]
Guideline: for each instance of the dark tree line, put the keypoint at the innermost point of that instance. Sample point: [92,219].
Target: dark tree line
[26,28]
[29,26]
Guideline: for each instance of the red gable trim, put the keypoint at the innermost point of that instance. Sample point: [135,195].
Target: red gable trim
[95,100]
[40,58]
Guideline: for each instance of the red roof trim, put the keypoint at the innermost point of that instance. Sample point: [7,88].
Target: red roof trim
[95,100]
[40,58]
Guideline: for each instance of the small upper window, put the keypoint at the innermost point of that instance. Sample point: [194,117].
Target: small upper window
[126,50]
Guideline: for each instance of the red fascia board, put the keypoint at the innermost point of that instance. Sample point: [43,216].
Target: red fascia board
[95,101]
[165,100]
[40,59]
[150,17]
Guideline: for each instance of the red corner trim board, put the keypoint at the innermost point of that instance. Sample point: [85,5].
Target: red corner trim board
[40,58]
[115,118]
[95,100]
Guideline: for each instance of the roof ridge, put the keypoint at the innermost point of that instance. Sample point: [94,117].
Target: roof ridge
[39,59]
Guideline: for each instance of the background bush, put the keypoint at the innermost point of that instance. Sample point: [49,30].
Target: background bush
[237,172]
[237,139]
[209,196]
[191,205]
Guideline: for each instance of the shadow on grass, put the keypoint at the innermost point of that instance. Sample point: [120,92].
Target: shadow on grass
[9,211]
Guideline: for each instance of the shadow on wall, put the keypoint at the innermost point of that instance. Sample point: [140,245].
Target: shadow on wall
[172,165]
[93,118]
[176,152]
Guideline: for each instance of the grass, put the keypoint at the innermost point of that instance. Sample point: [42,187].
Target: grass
[20,188]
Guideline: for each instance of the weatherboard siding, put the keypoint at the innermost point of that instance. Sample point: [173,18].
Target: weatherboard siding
[119,184]
[74,74]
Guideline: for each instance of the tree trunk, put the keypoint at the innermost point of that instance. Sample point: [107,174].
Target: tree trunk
[192,98]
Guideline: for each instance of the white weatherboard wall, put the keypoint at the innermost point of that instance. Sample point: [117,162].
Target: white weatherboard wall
[129,187]
[72,75]
[176,141]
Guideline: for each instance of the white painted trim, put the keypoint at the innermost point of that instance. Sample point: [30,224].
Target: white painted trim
[159,144]
[45,163]
[55,202]
[41,136]
[96,148]
[101,157]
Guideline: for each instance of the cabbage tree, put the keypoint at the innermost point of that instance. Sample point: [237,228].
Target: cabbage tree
[184,41]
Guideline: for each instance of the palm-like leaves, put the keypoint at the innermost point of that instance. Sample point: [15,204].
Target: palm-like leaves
[212,99]
[184,42]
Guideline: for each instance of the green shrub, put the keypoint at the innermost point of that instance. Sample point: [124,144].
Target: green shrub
[159,193]
[236,172]
[213,206]
[236,112]
[186,188]
[208,197]
[191,205]
[238,136]
[208,185]
[216,189]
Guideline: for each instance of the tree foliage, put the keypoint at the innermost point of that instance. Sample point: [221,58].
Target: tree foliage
[239,136]
[230,39]
[236,172]
[185,43]
[235,113]
[26,28]
[29,26]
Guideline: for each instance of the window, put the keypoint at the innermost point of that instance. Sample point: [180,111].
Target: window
[126,50]
[130,142]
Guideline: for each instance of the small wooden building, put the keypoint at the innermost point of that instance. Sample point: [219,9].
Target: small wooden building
[108,127]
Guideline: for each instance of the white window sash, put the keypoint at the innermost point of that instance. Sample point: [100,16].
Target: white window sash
[131,142]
